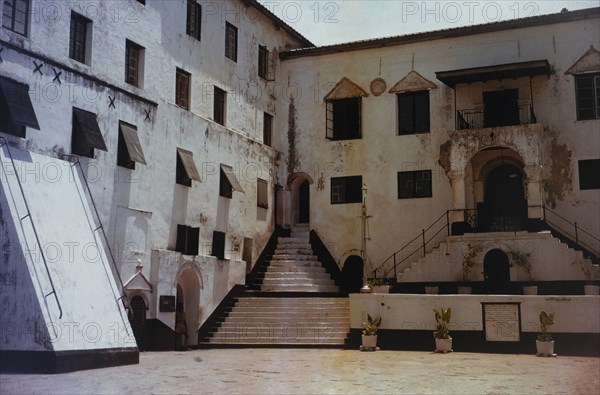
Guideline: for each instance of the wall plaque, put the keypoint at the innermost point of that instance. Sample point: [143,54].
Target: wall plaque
[502,322]
[166,303]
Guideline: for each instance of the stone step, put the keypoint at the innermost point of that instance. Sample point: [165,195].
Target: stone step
[295,268]
[298,280]
[293,251]
[239,322]
[298,274]
[310,341]
[293,257]
[292,240]
[299,288]
[294,245]
[300,235]
[304,301]
[247,319]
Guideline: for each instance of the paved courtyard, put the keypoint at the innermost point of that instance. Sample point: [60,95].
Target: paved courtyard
[319,371]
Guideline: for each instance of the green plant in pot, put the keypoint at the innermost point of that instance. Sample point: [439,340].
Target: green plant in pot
[545,342]
[443,341]
[369,333]
[591,273]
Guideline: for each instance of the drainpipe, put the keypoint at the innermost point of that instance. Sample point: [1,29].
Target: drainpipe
[366,288]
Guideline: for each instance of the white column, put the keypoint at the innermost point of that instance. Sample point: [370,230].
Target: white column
[533,190]
[457,179]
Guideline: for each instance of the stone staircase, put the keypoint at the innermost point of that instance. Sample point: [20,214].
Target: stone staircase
[295,305]
[294,268]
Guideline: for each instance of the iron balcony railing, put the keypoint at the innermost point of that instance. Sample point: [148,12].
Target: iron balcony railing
[476,119]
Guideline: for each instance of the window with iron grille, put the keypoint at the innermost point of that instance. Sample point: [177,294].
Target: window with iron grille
[263,62]
[346,190]
[78,43]
[182,88]
[413,112]
[194,19]
[231,41]
[15,16]
[262,195]
[414,184]
[133,63]
[343,119]
[267,128]
[219,106]
[589,174]
[587,90]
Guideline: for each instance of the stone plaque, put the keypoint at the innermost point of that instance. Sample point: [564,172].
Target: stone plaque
[166,303]
[502,322]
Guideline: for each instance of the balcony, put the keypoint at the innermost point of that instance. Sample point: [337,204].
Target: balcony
[480,118]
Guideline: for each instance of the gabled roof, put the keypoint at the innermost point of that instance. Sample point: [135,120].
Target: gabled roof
[561,17]
[412,82]
[589,62]
[345,89]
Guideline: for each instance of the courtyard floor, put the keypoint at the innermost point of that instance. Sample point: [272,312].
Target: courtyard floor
[322,371]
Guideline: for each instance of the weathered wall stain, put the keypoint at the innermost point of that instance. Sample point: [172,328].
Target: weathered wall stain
[558,180]
[444,159]
[292,133]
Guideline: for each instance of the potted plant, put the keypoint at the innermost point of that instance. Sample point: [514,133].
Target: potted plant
[468,264]
[591,274]
[521,259]
[379,285]
[544,342]
[443,341]
[369,333]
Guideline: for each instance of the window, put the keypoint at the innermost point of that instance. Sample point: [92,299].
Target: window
[16,109]
[187,240]
[343,119]
[228,182]
[262,196]
[182,88]
[413,112]
[15,15]
[86,135]
[219,106]
[231,38]
[263,62]
[587,89]
[346,190]
[186,170]
[194,19]
[267,128]
[414,184]
[134,63]
[589,174]
[79,43]
[129,149]
[141,2]
[218,245]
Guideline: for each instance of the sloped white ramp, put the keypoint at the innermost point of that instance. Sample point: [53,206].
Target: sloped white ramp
[59,301]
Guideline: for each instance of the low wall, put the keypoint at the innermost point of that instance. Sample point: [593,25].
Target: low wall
[408,321]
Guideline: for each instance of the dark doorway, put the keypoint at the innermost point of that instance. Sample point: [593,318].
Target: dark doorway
[352,274]
[504,208]
[137,319]
[496,271]
[304,203]
[501,108]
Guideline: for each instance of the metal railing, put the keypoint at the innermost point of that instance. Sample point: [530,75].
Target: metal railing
[430,237]
[475,118]
[74,160]
[4,142]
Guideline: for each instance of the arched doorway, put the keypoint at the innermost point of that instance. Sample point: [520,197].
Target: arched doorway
[352,274]
[304,203]
[188,297]
[496,271]
[504,208]
[137,319]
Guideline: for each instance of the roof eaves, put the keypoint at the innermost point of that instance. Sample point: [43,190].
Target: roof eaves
[444,33]
[280,23]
